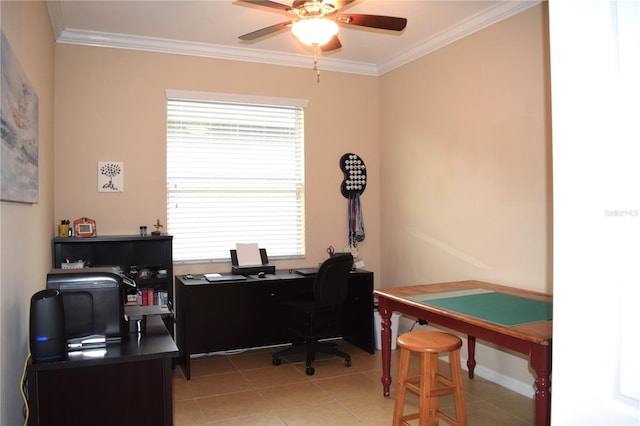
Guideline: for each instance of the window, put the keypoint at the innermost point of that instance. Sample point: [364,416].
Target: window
[235,174]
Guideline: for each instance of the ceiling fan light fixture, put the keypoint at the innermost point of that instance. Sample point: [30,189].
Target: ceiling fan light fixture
[314,31]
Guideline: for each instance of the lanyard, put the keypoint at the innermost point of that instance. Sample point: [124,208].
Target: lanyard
[356,220]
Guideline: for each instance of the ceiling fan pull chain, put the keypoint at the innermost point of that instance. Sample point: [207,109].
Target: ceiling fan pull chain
[316,53]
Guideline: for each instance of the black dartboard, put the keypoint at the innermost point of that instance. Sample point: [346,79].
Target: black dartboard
[355,175]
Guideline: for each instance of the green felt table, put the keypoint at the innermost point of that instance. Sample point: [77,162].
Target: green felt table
[499,308]
[509,317]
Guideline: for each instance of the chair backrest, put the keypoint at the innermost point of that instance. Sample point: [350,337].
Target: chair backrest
[330,287]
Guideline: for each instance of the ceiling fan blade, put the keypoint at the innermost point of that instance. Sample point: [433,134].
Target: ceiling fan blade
[374,21]
[333,44]
[267,3]
[265,31]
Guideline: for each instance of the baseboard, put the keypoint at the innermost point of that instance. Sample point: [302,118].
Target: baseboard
[525,389]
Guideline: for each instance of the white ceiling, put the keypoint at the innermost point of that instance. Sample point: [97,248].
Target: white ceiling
[211,29]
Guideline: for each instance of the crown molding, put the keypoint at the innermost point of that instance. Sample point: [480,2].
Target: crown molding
[160,45]
[469,26]
[473,24]
[55,17]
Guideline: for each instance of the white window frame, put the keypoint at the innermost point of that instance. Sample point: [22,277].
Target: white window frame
[267,175]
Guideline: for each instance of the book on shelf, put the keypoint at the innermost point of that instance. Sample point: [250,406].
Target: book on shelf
[148,297]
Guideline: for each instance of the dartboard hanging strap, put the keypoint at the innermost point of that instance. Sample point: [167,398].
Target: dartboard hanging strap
[353,185]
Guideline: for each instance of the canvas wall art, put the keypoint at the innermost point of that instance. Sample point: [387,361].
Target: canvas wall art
[19,131]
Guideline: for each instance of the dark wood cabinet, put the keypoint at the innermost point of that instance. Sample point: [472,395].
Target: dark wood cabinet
[127,383]
[358,327]
[228,315]
[153,253]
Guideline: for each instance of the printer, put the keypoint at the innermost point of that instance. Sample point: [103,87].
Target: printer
[251,269]
[93,302]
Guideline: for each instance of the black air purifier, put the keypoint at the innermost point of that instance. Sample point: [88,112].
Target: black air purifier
[47,326]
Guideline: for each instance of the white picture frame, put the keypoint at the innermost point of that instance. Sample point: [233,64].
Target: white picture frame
[110,176]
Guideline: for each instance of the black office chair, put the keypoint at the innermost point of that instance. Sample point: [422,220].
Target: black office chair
[318,315]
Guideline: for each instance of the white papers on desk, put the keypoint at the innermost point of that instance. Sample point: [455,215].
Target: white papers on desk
[248,254]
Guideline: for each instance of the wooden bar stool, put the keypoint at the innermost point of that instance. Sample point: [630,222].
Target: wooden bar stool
[429,385]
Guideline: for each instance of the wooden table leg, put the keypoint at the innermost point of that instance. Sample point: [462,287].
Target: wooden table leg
[385,343]
[540,359]
[471,358]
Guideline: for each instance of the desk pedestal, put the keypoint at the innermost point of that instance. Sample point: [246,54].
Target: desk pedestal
[129,385]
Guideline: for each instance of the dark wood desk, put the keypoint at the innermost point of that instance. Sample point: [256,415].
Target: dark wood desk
[228,315]
[127,384]
[533,339]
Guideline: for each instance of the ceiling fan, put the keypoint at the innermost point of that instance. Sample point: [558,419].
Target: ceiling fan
[315,22]
[311,12]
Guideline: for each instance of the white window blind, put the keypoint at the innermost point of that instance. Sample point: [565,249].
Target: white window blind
[235,174]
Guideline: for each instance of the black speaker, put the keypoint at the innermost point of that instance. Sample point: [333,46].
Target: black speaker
[46,326]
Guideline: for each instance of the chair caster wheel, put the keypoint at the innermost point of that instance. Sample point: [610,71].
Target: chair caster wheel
[276,361]
[310,371]
[347,362]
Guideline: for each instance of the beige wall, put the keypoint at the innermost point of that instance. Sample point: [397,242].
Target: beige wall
[465,170]
[110,105]
[25,232]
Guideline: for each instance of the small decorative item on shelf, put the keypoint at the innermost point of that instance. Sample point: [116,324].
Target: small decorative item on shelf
[85,227]
[143,231]
[157,226]
[79,264]
[64,229]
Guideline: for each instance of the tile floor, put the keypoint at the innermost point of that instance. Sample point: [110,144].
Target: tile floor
[246,389]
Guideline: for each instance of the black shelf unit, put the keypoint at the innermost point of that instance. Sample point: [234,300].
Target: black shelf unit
[152,252]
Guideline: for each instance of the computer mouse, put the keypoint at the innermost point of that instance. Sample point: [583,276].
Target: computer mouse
[262,275]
